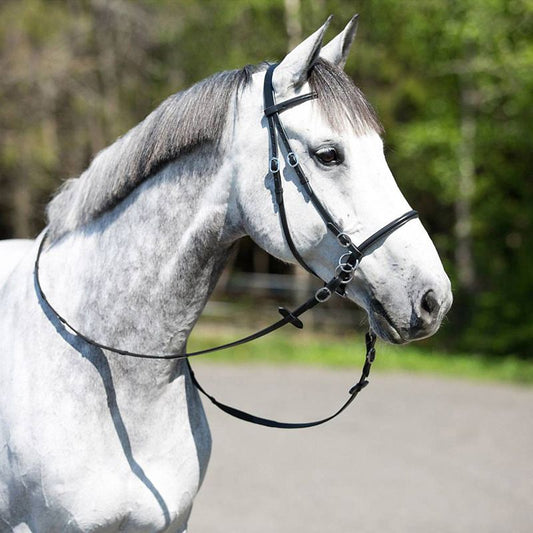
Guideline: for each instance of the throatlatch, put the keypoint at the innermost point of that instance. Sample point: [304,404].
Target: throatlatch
[343,273]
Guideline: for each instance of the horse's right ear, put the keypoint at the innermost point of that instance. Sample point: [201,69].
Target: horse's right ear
[293,71]
[337,50]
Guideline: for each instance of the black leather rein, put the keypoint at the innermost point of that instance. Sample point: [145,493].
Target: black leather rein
[344,270]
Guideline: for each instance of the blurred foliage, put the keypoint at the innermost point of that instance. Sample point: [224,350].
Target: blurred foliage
[292,346]
[452,82]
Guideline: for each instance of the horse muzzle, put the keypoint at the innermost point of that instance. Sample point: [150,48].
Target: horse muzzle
[422,320]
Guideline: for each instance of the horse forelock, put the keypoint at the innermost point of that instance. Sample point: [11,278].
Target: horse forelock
[187,121]
[341,101]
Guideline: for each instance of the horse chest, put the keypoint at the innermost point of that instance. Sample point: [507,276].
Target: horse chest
[96,462]
[105,486]
[144,499]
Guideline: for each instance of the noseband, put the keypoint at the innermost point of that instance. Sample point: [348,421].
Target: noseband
[343,272]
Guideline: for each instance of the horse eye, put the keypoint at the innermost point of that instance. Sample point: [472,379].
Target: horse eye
[328,156]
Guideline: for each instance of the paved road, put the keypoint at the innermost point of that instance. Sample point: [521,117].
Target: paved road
[413,454]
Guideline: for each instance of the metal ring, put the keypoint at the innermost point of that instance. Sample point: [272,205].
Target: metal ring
[345,254]
[346,266]
[344,239]
[292,159]
[339,272]
[323,294]
[274,164]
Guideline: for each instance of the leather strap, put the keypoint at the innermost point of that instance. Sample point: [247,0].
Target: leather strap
[271,113]
[288,317]
[254,419]
[278,108]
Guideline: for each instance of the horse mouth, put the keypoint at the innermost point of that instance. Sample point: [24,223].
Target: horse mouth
[383,325]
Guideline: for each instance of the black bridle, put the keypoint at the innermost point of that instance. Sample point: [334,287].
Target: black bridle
[349,260]
[343,274]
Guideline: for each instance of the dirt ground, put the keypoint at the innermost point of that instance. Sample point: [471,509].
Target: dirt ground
[413,454]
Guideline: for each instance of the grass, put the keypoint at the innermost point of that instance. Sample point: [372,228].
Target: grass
[295,347]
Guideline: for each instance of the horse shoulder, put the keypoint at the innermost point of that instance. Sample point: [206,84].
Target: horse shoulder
[11,253]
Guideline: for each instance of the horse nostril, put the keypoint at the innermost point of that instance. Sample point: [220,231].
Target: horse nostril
[427,314]
[429,303]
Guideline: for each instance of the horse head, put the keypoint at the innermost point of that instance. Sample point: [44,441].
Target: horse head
[337,140]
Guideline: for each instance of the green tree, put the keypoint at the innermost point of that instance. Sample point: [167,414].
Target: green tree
[452,82]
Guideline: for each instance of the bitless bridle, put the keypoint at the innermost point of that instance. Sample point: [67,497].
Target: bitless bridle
[344,271]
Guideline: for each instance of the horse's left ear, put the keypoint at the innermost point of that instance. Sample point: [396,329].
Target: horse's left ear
[293,71]
[337,50]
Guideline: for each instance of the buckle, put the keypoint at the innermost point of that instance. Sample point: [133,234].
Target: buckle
[371,355]
[292,159]
[274,165]
[323,294]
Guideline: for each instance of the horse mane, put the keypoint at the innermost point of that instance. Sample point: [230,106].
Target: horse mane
[186,121]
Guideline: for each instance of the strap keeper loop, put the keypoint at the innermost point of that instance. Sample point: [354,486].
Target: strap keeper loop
[292,159]
[294,320]
[358,387]
[274,165]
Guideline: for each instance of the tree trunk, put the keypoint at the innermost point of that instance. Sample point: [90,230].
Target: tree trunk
[293,24]
[466,187]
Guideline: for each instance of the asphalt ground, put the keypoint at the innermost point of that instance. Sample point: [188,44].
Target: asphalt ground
[412,454]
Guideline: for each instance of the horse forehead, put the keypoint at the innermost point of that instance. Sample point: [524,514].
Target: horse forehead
[308,120]
[369,143]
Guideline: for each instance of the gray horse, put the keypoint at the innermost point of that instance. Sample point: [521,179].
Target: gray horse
[92,441]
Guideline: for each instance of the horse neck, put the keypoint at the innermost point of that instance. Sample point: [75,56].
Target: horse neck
[139,276]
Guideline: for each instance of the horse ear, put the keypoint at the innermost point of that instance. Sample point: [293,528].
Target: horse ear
[336,51]
[294,69]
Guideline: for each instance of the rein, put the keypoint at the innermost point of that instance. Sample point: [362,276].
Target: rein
[344,272]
